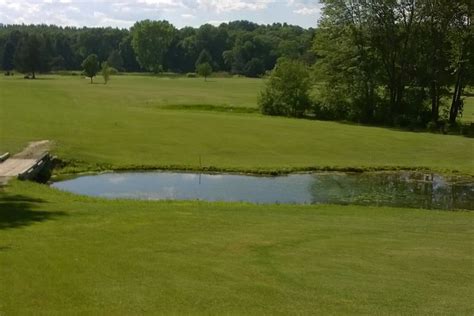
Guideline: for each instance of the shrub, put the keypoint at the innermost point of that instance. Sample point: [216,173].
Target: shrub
[191,75]
[204,70]
[287,90]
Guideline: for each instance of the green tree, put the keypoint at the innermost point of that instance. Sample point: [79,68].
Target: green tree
[151,41]
[30,55]
[8,57]
[106,71]
[287,90]
[461,39]
[204,70]
[204,57]
[91,66]
[347,63]
[115,60]
[254,68]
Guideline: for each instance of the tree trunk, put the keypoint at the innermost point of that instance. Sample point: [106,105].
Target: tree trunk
[434,91]
[91,80]
[456,103]
[33,76]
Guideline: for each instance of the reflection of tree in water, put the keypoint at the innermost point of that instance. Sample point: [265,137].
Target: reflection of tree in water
[405,189]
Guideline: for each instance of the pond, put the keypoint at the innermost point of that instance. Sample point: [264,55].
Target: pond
[404,189]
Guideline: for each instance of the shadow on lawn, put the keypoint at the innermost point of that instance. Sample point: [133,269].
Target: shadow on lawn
[19,210]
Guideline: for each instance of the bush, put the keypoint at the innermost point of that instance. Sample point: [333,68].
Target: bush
[287,90]
[204,70]
[191,75]
[467,130]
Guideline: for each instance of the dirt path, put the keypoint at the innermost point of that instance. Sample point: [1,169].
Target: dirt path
[24,160]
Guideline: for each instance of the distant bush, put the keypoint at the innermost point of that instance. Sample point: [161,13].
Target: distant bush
[191,75]
[67,73]
[222,74]
[168,74]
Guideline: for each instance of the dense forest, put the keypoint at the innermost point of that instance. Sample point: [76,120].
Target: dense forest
[404,62]
[239,47]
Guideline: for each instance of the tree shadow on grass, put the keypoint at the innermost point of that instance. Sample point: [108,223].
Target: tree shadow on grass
[20,210]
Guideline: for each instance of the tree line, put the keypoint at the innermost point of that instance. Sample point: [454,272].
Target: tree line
[393,62]
[401,62]
[239,47]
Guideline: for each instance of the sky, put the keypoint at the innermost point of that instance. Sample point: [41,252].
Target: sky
[124,13]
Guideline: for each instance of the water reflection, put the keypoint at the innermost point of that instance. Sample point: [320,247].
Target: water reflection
[405,189]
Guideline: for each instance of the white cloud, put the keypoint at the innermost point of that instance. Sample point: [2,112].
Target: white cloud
[305,7]
[307,11]
[123,13]
[188,16]
[216,22]
[233,5]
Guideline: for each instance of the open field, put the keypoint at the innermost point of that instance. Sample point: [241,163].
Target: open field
[65,254]
[62,254]
[131,123]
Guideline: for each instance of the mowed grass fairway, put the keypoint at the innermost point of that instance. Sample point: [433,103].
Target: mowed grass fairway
[144,122]
[66,254]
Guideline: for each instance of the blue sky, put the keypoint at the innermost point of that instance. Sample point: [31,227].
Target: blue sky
[179,12]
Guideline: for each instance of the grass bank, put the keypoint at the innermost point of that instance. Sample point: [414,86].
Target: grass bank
[61,253]
[148,123]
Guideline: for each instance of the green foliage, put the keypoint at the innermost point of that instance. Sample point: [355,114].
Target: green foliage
[115,60]
[8,56]
[91,66]
[31,55]
[287,90]
[231,46]
[393,62]
[106,71]
[254,68]
[204,57]
[150,41]
[204,70]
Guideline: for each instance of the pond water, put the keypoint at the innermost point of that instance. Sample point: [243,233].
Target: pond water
[404,189]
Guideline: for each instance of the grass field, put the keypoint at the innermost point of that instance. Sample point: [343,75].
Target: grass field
[468,113]
[131,123]
[67,254]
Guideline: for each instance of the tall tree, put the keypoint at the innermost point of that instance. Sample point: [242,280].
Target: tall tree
[91,66]
[462,60]
[151,41]
[30,56]
[392,27]
[348,62]
[8,57]
[432,60]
